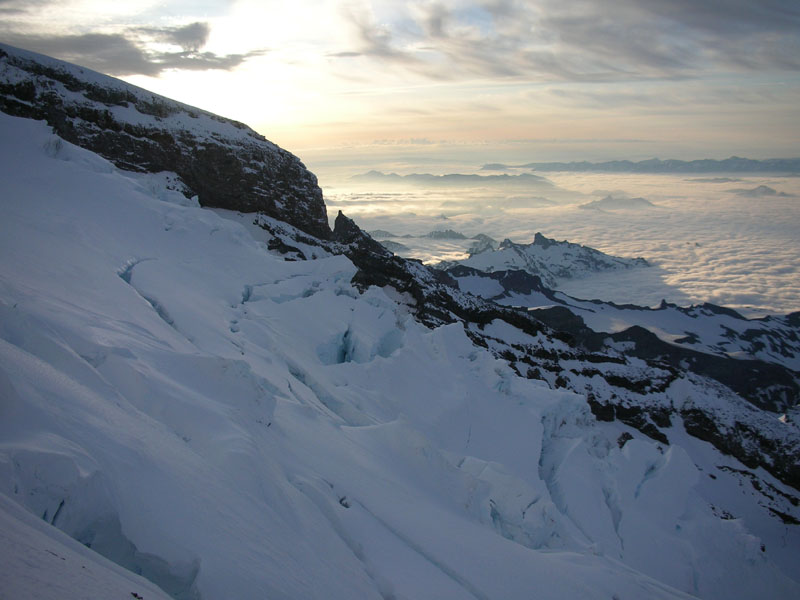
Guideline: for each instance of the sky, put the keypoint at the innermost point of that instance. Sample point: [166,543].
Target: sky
[454,82]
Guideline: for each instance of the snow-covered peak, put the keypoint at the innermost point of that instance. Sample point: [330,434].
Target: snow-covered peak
[548,259]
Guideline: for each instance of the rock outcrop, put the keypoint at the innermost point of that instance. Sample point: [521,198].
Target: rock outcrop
[224,163]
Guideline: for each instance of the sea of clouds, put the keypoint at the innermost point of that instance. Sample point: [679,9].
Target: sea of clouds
[729,239]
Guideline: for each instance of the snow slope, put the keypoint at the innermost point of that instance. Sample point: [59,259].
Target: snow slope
[233,425]
[63,569]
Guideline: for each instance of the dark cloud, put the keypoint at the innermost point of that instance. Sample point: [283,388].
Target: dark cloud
[118,55]
[680,37]
[726,17]
[113,54]
[191,37]
[585,40]
[124,51]
[128,54]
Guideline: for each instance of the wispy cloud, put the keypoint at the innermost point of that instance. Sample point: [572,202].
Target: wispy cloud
[680,73]
[16,7]
[582,40]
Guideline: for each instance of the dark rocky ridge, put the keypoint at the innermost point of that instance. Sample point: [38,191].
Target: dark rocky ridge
[768,386]
[512,281]
[225,163]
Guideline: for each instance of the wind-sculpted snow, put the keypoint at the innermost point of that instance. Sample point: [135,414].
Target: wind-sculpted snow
[229,423]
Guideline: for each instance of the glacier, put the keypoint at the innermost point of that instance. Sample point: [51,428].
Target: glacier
[190,409]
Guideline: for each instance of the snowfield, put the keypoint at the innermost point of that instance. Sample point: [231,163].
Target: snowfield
[229,424]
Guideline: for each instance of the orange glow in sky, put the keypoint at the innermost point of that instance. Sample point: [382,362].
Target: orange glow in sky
[497,79]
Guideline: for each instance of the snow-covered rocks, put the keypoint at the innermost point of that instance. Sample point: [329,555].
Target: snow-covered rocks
[548,259]
[224,163]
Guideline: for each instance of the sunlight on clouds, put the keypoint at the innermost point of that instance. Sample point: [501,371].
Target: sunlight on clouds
[327,74]
[79,16]
[298,29]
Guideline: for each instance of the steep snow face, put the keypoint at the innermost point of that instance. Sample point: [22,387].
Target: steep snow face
[548,259]
[224,163]
[230,424]
[64,568]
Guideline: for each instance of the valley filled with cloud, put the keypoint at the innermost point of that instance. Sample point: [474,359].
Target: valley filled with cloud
[730,240]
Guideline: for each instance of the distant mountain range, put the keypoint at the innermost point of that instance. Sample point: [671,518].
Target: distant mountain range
[449,179]
[734,164]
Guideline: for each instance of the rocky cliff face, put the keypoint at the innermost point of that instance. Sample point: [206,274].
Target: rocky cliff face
[224,163]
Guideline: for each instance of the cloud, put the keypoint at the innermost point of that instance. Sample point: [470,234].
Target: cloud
[115,49]
[706,244]
[190,37]
[116,54]
[446,40]
[15,7]
[761,191]
[715,179]
[129,53]
[582,40]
